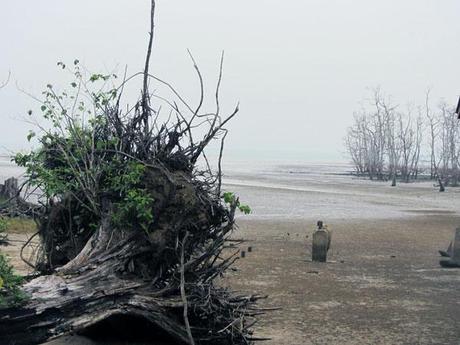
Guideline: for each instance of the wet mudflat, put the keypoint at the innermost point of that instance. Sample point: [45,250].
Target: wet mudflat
[383,284]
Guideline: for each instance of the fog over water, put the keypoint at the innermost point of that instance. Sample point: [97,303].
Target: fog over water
[300,68]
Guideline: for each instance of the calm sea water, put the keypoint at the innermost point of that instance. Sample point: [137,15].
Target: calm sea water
[305,190]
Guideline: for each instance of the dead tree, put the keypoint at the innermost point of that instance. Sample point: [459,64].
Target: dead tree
[448,146]
[433,123]
[133,229]
[356,147]
[406,137]
[433,134]
[392,142]
[385,142]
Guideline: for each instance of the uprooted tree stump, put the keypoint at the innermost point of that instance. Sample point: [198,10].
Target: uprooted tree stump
[131,228]
[110,278]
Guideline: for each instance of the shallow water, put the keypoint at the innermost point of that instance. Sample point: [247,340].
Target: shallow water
[299,190]
[309,190]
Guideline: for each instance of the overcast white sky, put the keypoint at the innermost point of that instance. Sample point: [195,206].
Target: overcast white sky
[300,68]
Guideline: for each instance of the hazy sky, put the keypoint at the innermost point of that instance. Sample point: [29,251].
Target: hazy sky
[300,68]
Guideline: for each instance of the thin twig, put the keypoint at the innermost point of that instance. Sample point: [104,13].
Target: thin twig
[23,247]
[145,92]
[182,289]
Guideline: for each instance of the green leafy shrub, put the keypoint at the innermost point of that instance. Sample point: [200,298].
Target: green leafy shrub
[135,203]
[3,227]
[230,198]
[10,293]
[78,157]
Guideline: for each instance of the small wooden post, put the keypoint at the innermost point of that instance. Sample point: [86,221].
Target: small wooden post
[320,243]
[454,252]
[10,188]
[458,108]
[319,248]
[456,246]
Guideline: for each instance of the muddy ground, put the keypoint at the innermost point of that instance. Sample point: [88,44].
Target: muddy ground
[382,284]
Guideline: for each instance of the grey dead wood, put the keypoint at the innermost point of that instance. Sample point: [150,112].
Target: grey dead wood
[453,252]
[87,290]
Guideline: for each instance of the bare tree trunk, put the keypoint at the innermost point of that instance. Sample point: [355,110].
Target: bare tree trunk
[393,181]
[441,185]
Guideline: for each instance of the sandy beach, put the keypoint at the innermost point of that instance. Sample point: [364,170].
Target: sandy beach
[382,283]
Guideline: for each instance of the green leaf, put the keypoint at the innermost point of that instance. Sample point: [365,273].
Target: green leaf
[95,77]
[30,135]
[245,209]
[229,197]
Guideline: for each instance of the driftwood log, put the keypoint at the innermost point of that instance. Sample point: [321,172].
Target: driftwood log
[93,287]
[452,255]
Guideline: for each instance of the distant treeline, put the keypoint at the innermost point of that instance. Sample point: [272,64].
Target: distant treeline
[387,142]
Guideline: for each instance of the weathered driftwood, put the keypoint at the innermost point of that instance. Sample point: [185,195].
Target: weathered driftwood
[9,189]
[134,274]
[12,203]
[100,283]
[94,286]
[453,252]
[446,253]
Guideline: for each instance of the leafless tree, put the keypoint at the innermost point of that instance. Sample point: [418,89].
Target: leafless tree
[419,127]
[392,143]
[433,134]
[449,146]
[378,130]
[387,142]
[356,145]
[383,141]
[371,140]
[406,138]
